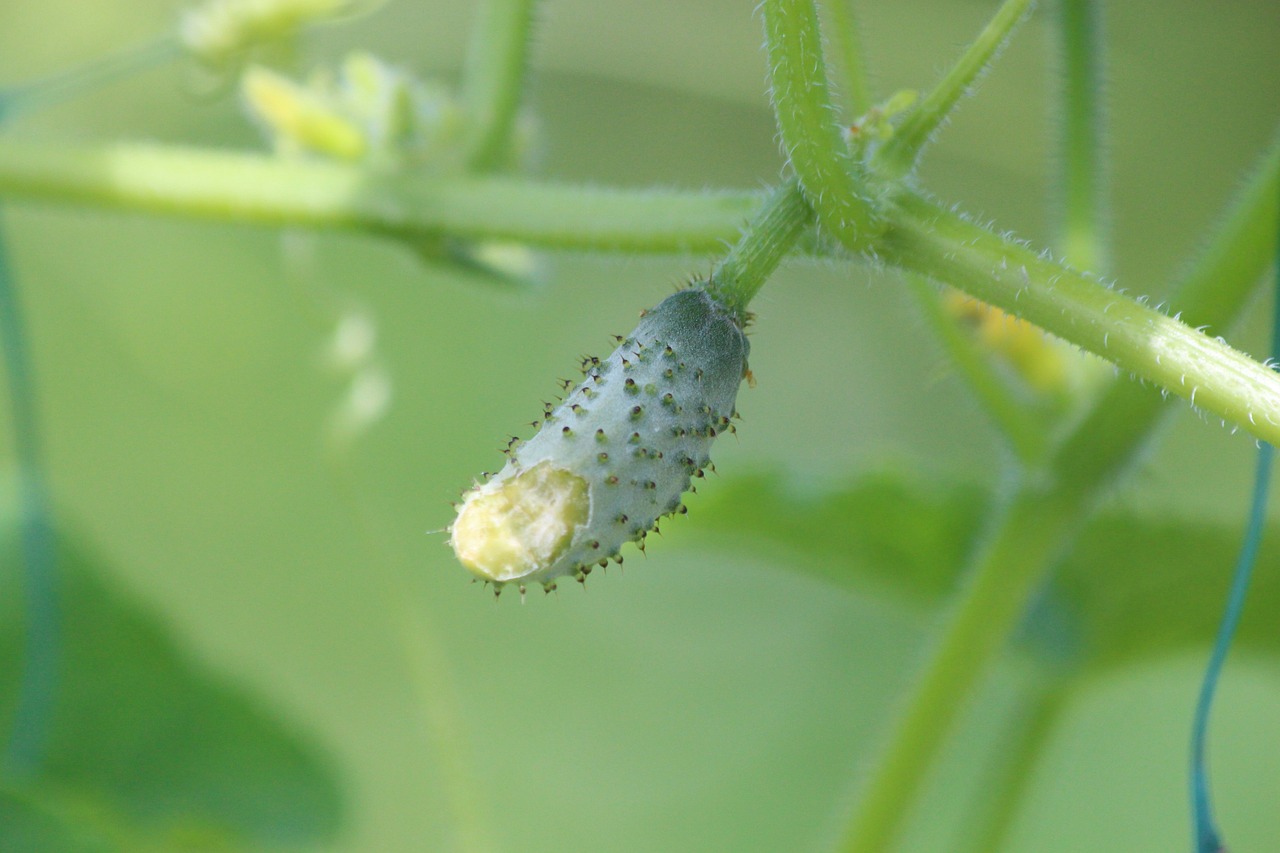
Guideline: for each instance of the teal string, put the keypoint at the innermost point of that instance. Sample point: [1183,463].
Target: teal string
[42,656]
[1207,838]
[38,687]
[64,86]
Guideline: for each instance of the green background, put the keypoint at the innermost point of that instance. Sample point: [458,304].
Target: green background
[710,697]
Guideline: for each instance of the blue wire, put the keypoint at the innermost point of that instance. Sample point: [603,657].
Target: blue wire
[1207,837]
[58,88]
[36,694]
[37,691]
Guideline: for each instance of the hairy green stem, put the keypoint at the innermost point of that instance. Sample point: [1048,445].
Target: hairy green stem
[1082,175]
[934,241]
[898,156]
[851,63]
[1025,432]
[834,182]
[765,242]
[493,79]
[253,188]
[924,238]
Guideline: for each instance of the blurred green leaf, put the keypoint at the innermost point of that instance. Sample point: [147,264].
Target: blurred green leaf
[1134,585]
[147,741]
[1142,585]
[883,531]
[26,824]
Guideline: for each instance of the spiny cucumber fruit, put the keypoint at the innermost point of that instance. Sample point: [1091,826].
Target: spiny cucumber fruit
[615,456]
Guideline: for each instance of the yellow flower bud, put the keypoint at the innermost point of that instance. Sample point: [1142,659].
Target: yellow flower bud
[298,119]
[1044,363]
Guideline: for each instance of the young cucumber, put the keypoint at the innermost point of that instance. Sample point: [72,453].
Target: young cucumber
[616,455]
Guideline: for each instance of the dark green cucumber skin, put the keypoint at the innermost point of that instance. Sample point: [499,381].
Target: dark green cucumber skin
[640,425]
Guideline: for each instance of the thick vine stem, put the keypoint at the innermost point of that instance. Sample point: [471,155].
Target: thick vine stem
[834,183]
[254,188]
[934,241]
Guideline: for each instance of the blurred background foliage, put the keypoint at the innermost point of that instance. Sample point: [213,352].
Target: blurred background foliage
[722,694]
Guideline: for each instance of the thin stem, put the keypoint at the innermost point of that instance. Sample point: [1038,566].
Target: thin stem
[898,156]
[1031,531]
[851,64]
[258,189]
[427,665]
[833,182]
[765,242]
[1082,177]
[493,78]
[40,94]
[934,241]
[42,650]
[1024,432]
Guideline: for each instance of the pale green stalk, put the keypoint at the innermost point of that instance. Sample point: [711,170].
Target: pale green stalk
[263,190]
[833,182]
[1031,531]
[1081,241]
[898,156]
[1082,171]
[427,668]
[493,79]
[1002,793]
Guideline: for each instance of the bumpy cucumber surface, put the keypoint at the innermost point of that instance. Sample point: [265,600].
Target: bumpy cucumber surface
[616,455]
